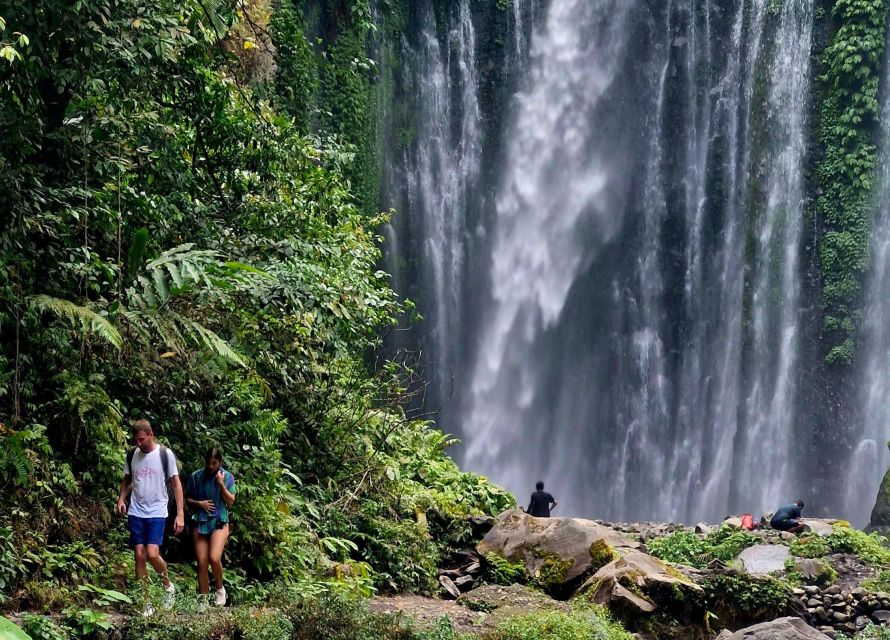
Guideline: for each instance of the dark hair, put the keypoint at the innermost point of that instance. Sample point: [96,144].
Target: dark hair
[213,453]
[800,504]
[142,426]
[539,485]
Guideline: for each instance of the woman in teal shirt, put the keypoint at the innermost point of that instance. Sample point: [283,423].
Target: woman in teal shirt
[210,492]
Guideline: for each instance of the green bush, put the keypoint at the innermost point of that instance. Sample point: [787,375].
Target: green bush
[681,547]
[746,598]
[874,632]
[685,547]
[869,548]
[881,582]
[43,628]
[582,623]
[502,571]
[810,545]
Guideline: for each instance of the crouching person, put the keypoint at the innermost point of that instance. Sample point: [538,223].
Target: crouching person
[210,492]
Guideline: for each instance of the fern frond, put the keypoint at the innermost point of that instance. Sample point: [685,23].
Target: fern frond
[89,320]
[182,269]
[210,340]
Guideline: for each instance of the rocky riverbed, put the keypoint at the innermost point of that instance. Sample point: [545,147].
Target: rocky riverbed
[757,584]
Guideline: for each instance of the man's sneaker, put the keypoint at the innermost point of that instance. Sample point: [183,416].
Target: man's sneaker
[221,597]
[169,596]
[148,610]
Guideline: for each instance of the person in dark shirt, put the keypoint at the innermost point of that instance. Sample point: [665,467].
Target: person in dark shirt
[787,518]
[542,503]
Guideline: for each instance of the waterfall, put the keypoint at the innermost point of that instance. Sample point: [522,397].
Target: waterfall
[869,459]
[633,337]
[439,173]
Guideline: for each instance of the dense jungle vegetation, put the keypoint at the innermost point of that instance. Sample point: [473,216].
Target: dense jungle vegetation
[184,239]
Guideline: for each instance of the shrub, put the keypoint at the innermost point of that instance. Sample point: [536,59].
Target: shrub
[685,547]
[739,600]
[582,623]
[869,547]
[874,632]
[502,571]
[809,546]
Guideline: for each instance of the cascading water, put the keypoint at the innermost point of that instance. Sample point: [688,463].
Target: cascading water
[870,456]
[440,173]
[634,332]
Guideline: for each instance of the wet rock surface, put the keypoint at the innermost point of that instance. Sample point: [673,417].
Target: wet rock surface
[764,558]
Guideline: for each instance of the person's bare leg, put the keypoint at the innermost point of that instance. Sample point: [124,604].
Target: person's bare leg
[217,545]
[140,556]
[154,557]
[202,553]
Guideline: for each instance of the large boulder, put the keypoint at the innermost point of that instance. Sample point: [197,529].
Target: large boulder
[780,629]
[514,599]
[649,597]
[764,558]
[558,553]
[819,526]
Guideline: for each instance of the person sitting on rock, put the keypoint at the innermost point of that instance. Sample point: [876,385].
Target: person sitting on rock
[787,518]
[542,503]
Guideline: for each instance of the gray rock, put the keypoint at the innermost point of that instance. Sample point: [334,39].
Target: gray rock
[780,629]
[814,602]
[840,617]
[881,616]
[764,558]
[701,527]
[880,514]
[861,621]
[513,599]
[734,521]
[832,590]
[518,536]
[463,580]
[818,526]
[449,587]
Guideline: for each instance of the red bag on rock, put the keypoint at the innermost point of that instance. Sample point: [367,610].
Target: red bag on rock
[747,521]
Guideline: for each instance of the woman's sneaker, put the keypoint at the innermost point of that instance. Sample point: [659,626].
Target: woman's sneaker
[169,596]
[221,597]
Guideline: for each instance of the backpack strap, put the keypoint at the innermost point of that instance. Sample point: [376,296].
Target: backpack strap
[165,464]
[130,454]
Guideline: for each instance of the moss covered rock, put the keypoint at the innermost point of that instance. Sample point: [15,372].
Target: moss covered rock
[650,597]
[558,553]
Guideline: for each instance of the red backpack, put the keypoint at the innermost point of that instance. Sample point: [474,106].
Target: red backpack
[747,521]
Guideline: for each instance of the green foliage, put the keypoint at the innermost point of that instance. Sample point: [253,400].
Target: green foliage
[11,631]
[870,548]
[874,632]
[686,547]
[881,582]
[502,571]
[85,622]
[43,628]
[296,78]
[747,596]
[188,244]
[89,320]
[809,545]
[582,623]
[848,116]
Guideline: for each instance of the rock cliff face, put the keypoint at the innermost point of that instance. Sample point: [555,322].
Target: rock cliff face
[880,514]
